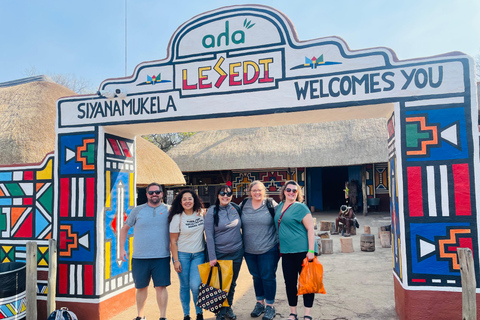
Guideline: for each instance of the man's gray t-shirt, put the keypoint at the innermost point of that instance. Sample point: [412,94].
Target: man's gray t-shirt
[151,238]
[259,233]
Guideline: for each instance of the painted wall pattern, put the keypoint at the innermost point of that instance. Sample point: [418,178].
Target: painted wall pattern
[440,202]
[26,214]
[76,214]
[120,193]
[273,180]
[393,193]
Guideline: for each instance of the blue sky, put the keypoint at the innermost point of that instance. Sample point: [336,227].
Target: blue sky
[87,38]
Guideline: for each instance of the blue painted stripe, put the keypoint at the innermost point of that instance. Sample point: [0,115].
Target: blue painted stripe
[5,176]
[6,202]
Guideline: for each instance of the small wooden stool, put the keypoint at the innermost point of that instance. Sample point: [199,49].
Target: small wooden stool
[327,246]
[367,242]
[386,239]
[346,244]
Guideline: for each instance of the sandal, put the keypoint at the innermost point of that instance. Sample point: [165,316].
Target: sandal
[307,317]
[294,316]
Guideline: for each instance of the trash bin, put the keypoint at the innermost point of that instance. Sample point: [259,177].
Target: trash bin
[12,290]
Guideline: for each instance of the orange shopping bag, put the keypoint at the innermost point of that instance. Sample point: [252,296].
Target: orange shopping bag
[311,277]
[227,275]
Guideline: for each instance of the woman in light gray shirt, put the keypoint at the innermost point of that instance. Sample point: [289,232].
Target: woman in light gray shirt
[261,248]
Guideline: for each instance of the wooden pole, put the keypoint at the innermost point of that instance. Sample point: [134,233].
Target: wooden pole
[52,276]
[31,285]
[467,272]
[364,189]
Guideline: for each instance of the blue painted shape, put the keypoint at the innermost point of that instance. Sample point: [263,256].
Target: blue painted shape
[444,151]
[72,142]
[40,223]
[314,189]
[82,254]
[7,311]
[110,235]
[5,202]
[6,176]
[429,231]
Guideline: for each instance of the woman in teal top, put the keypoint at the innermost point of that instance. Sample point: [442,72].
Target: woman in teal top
[294,222]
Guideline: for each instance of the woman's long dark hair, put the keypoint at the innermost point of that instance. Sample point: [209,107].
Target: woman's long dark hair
[177,208]
[217,203]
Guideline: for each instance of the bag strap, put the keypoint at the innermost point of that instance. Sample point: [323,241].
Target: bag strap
[219,275]
[280,220]
[270,207]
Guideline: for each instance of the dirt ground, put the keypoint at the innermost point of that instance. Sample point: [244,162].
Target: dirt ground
[359,285]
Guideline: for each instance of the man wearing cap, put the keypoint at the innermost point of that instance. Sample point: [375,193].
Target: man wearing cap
[345,216]
[151,249]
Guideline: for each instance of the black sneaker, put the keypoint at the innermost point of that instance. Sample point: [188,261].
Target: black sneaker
[220,316]
[186,318]
[199,316]
[139,318]
[230,315]
[258,310]
[269,313]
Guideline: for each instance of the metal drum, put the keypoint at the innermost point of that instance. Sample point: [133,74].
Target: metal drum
[12,290]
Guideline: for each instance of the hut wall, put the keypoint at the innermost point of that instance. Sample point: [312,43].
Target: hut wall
[26,214]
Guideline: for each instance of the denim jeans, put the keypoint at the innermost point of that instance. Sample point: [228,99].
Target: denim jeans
[190,279]
[263,268]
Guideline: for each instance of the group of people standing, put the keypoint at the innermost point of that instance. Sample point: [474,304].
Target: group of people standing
[259,230]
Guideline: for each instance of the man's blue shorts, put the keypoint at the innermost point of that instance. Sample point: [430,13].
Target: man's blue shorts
[145,269]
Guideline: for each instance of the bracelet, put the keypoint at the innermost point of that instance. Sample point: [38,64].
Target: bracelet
[312,251]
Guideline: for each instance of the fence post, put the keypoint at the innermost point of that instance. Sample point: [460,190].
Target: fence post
[467,271]
[52,276]
[31,285]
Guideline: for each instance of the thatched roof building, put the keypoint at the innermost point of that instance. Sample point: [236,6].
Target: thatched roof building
[338,143]
[27,122]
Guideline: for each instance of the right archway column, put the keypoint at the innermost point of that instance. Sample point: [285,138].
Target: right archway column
[433,164]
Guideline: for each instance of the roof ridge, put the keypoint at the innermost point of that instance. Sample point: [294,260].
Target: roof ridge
[26,80]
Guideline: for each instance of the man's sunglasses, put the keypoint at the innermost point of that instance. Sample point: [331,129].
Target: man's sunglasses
[157,192]
[225,193]
[291,190]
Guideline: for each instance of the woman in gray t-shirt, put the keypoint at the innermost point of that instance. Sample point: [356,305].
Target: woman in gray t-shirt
[261,248]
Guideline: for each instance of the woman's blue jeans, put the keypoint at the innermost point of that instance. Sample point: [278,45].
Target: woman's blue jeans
[190,279]
[263,268]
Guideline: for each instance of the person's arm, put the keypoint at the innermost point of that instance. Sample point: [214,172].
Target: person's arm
[210,235]
[308,223]
[123,239]
[174,248]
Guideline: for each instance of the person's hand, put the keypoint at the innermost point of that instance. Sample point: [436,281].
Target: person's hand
[177,266]
[123,255]
[213,263]
[310,256]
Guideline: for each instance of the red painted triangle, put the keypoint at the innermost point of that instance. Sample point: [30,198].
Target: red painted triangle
[26,229]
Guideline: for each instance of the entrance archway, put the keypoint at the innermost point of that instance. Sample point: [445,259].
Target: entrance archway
[243,66]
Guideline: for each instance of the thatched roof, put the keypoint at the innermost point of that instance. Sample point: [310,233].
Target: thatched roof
[154,165]
[338,143]
[27,122]
[27,119]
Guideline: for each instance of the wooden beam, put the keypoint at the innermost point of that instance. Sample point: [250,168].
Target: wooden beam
[364,189]
[52,276]
[31,286]
[467,272]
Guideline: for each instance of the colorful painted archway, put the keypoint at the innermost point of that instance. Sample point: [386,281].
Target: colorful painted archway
[243,66]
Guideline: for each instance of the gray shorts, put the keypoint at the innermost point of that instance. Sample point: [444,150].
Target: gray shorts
[145,269]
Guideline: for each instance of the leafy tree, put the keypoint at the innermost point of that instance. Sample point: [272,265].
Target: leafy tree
[167,141]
